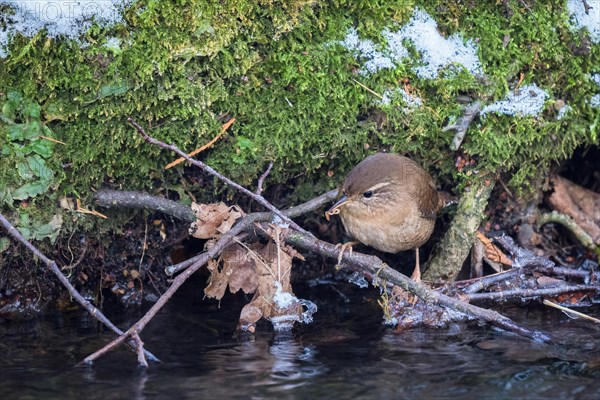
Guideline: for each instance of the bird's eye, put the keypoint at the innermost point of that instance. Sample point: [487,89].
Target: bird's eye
[368,194]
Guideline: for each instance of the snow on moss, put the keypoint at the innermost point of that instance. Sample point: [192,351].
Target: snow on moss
[527,100]
[60,18]
[437,52]
[595,100]
[586,14]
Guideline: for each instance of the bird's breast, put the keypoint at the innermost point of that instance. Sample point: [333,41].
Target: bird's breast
[395,230]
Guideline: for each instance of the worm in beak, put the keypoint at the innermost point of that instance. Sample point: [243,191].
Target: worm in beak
[335,209]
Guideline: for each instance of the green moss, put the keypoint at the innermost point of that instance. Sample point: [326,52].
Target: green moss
[275,67]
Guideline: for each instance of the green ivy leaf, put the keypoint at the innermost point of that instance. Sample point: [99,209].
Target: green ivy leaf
[32,130]
[24,170]
[41,147]
[25,232]
[31,189]
[49,230]
[9,109]
[14,96]
[5,195]
[38,166]
[16,132]
[31,109]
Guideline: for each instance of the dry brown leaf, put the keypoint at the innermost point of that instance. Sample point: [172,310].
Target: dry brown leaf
[250,314]
[217,282]
[273,272]
[262,269]
[240,268]
[243,278]
[492,252]
[581,204]
[234,213]
[238,272]
[213,219]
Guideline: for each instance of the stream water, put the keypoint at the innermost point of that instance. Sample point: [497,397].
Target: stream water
[345,354]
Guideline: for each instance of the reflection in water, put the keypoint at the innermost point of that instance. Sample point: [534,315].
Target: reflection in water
[345,354]
[280,366]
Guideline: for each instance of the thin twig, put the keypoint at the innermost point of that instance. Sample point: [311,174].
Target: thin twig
[528,294]
[96,313]
[259,185]
[489,280]
[224,128]
[210,170]
[140,346]
[569,311]
[53,140]
[177,282]
[462,124]
[367,88]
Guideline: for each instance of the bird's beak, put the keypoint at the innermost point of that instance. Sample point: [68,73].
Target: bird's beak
[336,207]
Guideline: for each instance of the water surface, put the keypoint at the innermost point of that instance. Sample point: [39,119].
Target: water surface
[345,354]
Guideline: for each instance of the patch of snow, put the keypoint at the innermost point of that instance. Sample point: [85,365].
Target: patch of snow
[589,19]
[113,44]
[409,100]
[595,100]
[366,49]
[436,51]
[528,100]
[394,45]
[564,109]
[60,18]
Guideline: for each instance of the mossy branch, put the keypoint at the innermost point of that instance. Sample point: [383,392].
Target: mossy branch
[452,251]
[129,199]
[570,224]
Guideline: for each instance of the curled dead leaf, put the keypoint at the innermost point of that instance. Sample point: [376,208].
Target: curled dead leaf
[250,314]
[238,272]
[216,282]
[213,219]
[492,252]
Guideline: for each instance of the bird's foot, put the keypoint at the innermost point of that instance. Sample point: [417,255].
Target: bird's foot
[416,275]
[343,248]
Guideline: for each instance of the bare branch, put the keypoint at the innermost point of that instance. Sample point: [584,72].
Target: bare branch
[462,124]
[527,294]
[127,199]
[374,268]
[210,170]
[213,252]
[259,185]
[96,313]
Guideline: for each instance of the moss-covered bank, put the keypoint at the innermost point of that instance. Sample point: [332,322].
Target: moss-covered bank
[180,68]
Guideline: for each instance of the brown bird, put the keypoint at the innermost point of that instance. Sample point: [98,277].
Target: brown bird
[389,202]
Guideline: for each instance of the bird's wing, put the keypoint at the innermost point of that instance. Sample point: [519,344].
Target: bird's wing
[430,202]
